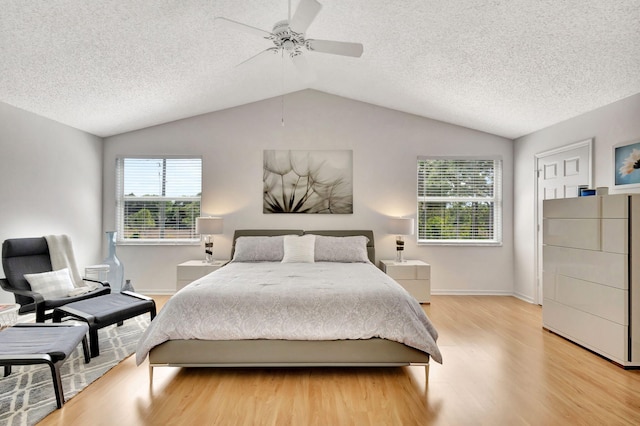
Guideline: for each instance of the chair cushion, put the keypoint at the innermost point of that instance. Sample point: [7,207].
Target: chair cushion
[18,247]
[24,256]
[111,308]
[54,303]
[51,285]
[57,341]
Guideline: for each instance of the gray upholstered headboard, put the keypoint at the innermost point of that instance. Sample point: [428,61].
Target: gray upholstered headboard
[371,249]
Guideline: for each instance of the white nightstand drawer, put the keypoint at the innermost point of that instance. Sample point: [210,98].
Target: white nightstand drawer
[399,272]
[418,289]
[413,275]
[423,272]
[191,270]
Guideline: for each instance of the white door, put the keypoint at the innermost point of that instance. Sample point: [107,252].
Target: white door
[560,173]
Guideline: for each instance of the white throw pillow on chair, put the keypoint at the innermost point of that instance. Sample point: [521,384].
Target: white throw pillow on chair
[51,285]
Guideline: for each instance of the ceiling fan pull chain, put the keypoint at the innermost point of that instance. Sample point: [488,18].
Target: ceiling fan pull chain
[282,101]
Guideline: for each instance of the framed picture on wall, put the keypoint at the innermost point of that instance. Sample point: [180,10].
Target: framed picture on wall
[626,165]
[308,181]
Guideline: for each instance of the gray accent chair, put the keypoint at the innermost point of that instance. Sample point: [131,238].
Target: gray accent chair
[22,256]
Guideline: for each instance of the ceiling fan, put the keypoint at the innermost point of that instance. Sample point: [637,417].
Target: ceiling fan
[288,36]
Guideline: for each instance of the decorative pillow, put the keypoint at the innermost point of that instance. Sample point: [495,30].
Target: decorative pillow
[299,249]
[341,249]
[51,285]
[259,249]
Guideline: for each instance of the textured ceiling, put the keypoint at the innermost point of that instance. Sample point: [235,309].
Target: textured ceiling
[508,67]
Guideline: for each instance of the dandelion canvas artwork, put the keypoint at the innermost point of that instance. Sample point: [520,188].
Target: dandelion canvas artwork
[627,164]
[297,181]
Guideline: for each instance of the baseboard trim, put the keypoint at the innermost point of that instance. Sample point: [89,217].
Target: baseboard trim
[158,292]
[443,292]
[524,298]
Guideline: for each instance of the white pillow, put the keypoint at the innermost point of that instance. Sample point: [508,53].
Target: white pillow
[259,249]
[51,285]
[299,249]
[341,249]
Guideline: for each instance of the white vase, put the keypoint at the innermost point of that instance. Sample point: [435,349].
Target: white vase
[115,275]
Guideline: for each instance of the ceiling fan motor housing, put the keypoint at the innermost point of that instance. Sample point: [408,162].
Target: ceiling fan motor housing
[286,39]
[281,27]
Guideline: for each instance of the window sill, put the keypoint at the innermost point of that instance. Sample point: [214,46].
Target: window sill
[159,243]
[461,244]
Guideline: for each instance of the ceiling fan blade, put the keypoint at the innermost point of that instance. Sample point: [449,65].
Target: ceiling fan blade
[304,15]
[303,67]
[336,47]
[273,50]
[239,26]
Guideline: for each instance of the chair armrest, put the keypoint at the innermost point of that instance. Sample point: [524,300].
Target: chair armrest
[104,283]
[47,324]
[37,297]
[26,359]
[136,295]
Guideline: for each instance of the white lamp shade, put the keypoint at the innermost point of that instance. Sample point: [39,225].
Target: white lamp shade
[208,225]
[401,226]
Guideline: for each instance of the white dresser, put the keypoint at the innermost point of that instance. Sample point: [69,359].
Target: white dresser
[413,275]
[591,273]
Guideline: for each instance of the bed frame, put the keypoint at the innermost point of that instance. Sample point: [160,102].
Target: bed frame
[374,352]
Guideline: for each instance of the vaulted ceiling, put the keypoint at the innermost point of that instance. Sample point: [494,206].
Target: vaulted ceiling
[507,67]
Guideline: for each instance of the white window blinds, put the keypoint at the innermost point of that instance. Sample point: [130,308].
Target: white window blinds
[158,199]
[459,200]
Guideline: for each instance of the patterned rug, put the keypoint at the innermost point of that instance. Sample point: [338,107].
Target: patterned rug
[27,395]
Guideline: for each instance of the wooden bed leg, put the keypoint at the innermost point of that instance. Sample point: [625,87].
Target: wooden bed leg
[426,373]
[150,375]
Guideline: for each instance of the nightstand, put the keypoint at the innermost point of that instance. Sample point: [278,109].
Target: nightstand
[413,275]
[191,270]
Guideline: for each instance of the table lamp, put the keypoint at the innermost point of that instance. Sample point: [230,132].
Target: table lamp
[207,227]
[400,226]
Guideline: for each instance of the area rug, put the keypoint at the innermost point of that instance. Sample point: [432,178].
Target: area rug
[27,395]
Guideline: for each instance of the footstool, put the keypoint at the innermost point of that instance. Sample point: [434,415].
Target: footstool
[51,344]
[101,311]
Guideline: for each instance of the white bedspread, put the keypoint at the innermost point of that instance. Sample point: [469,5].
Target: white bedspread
[293,301]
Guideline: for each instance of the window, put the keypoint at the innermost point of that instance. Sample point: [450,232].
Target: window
[158,199]
[459,201]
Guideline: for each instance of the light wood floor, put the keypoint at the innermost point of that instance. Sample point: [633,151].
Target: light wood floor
[500,368]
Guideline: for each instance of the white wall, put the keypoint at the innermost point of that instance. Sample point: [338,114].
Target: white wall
[385,146]
[608,126]
[50,183]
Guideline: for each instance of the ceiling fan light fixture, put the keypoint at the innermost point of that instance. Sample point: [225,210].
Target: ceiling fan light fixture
[288,45]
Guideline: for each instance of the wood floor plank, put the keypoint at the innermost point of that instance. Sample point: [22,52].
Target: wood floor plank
[500,368]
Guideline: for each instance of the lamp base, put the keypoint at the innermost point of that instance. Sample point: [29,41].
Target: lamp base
[208,249]
[399,249]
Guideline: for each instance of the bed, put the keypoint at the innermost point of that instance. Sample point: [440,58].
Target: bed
[272,306]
